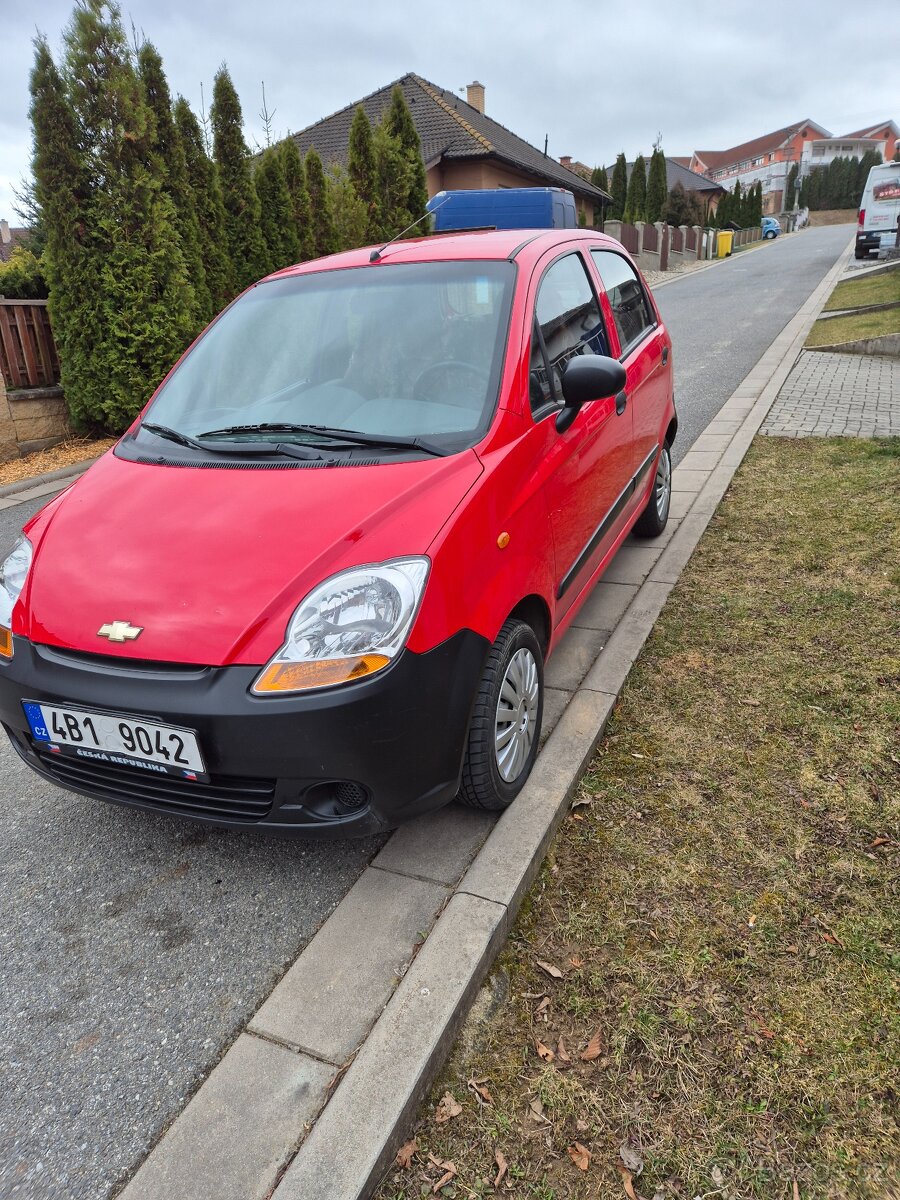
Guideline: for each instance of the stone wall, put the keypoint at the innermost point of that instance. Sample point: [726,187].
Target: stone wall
[30,419]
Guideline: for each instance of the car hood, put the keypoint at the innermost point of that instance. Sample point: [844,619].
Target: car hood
[210,564]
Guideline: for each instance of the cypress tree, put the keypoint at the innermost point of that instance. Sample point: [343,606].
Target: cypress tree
[599,178]
[737,204]
[132,303]
[619,189]
[392,173]
[276,214]
[203,182]
[295,181]
[636,200]
[362,170]
[400,125]
[657,191]
[243,236]
[61,193]
[168,145]
[350,215]
[323,234]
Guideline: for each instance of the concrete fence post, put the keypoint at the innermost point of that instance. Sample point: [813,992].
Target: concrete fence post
[613,228]
[662,244]
[698,233]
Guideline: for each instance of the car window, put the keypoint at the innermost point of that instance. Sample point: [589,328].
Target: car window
[631,309]
[567,322]
[408,349]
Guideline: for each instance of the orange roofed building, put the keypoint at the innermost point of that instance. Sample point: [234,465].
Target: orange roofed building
[805,144]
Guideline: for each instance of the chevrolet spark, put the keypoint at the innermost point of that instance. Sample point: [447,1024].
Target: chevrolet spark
[314,585]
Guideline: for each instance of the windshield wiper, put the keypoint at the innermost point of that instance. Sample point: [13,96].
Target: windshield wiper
[288,449]
[354,436]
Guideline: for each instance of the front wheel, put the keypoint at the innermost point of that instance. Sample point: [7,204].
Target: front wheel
[652,520]
[506,722]
[770,234]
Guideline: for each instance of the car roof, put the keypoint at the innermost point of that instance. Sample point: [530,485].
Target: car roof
[493,244]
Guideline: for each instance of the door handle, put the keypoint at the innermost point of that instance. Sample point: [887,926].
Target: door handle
[665,355]
[621,401]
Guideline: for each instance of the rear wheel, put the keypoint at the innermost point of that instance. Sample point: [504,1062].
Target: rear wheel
[652,520]
[770,234]
[506,722]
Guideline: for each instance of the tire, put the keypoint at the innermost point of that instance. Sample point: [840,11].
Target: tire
[652,520]
[769,235]
[492,778]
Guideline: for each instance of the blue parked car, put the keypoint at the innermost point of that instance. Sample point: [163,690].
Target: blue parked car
[503,208]
[770,227]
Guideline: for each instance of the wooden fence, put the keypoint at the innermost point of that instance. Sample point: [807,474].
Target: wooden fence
[28,357]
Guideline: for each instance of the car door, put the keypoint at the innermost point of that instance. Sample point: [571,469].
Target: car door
[644,349]
[589,465]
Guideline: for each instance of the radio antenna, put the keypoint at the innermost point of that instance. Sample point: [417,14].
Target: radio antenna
[376,254]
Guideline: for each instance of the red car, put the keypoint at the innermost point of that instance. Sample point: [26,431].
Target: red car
[314,585]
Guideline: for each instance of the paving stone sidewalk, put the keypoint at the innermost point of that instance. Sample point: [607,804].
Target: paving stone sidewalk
[838,395]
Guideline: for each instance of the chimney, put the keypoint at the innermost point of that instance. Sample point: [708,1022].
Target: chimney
[566,161]
[5,236]
[475,95]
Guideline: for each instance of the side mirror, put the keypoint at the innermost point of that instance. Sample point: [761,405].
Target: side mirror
[588,377]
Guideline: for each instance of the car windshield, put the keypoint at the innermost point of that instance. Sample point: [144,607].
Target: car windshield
[403,351]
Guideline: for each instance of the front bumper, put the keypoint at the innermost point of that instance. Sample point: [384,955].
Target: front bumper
[392,744]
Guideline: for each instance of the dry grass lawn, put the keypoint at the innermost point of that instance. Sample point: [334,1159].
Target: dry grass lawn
[874,289]
[720,911]
[853,328]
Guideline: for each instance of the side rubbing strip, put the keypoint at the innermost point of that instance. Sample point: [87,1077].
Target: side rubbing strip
[607,523]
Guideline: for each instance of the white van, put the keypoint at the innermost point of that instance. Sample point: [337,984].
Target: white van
[878,210]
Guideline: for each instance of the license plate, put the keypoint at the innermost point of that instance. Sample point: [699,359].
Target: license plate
[116,738]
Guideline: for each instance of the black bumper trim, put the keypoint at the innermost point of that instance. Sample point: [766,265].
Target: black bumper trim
[401,735]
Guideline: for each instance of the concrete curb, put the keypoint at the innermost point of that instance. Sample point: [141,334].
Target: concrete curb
[406,1001]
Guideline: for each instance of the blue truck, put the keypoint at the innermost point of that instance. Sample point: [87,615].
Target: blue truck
[503,208]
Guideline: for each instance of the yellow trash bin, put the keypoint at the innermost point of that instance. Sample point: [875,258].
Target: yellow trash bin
[724,243]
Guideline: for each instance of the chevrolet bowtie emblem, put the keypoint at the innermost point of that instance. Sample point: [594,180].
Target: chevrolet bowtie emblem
[120,631]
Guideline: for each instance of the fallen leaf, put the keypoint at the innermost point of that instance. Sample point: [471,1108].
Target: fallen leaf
[543,1006]
[544,1052]
[536,1108]
[86,1043]
[751,703]
[581,802]
[633,755]
[582,1126]
[593,1049]
[880,841]
[751,920]
[576,960]
[405,1153]
[447,1108]
[792,949]
[553,972]
[477,1086]
[829,937]
[502,1167]
[562,1053]
[631,1158]
[795,1190]
[450,1173]
[580,1156]
[626,1182]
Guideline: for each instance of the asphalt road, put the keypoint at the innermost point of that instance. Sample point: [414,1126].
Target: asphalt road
[723,319]
[133,948]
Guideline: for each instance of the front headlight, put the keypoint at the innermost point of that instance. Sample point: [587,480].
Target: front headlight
[351,626]
[13,571]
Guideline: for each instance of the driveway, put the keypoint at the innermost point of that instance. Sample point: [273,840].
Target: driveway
[135,947]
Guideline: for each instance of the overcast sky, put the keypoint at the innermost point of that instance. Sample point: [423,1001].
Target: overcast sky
[595,76]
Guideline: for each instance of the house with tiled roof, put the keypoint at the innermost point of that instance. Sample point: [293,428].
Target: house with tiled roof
[767,159]
[462,147]
[708,192]
[10,238]
[885,132]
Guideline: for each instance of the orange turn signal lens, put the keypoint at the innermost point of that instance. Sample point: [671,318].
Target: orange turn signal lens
[297,677]
[6,642]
